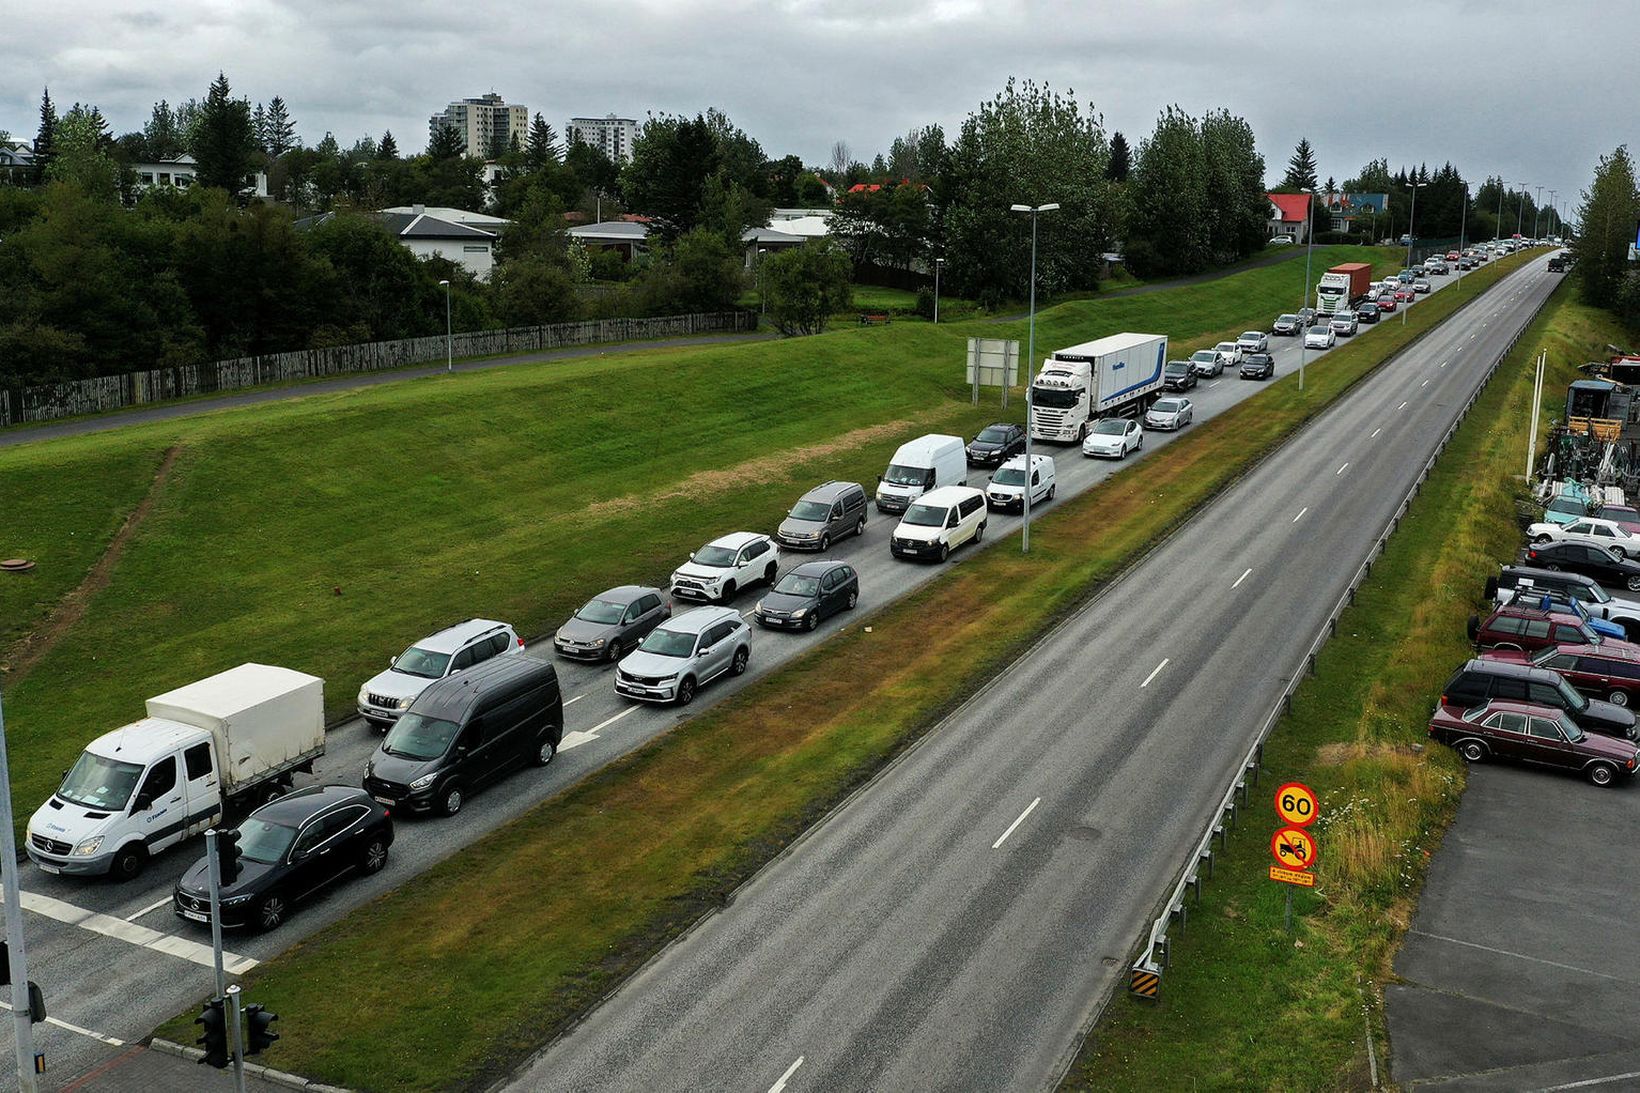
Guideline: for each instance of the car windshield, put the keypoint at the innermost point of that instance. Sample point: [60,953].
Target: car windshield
[1595,593]
[993,434]
[906,476]
[419,662]
[1287,319]
[1055,398]
[1226,347]
[1206,356]
[1569,695]
[1110,427]
[1015,476]
[810,510]
[668,643]
[797,584]
[100,783]
[1177,368]
[1569,505]
[1570,728]
[924,516]
[1252,335]
[264,841]
[416,736]
[715,556]
[1166,406]
[601,611]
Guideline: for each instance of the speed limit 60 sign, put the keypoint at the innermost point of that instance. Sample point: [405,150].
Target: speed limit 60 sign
[1296,804]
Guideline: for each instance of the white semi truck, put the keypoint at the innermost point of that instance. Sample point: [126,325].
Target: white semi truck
[1115,376]
[235,738]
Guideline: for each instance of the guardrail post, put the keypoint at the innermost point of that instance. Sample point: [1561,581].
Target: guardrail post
[1352,595]
[1332,627]
[1287,704]
[1241,788]
[1196,882]
[1312,664]
[1218,830]
[1207,857]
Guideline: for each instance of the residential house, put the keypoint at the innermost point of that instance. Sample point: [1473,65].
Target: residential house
[181,171]
[425,235]
[1347,208]
[1289,216]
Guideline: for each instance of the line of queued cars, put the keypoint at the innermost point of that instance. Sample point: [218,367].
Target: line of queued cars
[1556,671]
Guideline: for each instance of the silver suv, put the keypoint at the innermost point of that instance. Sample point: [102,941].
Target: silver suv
[389,694]
[824,514]
[683,654]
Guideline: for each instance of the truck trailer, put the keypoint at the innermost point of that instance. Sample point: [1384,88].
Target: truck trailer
[1115,376]
[1343,285]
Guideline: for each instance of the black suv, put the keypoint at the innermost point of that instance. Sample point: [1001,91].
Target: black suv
[1591,561]
[1179,376]
[996,444]
[1480,681]
[289,849]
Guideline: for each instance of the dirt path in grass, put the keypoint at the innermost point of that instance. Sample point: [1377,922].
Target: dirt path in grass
[33,646]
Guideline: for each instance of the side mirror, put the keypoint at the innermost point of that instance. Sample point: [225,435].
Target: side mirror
[691,555]
[392,662]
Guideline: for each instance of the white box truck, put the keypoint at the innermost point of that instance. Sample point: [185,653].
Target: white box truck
[1118,375]
[233,739]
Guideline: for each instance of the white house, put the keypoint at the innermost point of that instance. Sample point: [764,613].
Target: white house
[425,235]
[181,172]
[627,236]
[481,221]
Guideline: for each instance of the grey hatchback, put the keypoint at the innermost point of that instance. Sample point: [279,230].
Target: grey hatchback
[808,594]
[823,515]
[611,624]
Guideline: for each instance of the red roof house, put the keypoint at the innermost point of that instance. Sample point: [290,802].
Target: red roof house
[1289,215]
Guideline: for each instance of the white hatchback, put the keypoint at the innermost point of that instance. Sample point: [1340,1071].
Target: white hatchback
[1113,438]
[1320,337]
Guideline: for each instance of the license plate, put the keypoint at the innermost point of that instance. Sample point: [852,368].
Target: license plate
[45,868]
[195,916]
[384,800]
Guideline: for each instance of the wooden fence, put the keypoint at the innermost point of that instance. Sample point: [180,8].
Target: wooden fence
[103,393]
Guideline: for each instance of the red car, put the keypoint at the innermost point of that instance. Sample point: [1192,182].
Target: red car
[1403,295]
[1610,671]
[1519,626]
[1624,516]
[1530,733]
[1387,304]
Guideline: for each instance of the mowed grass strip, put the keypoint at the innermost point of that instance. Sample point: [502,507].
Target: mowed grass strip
[452,979]
[326,533]
[1241,991]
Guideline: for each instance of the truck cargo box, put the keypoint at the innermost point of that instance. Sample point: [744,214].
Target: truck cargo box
[263,718]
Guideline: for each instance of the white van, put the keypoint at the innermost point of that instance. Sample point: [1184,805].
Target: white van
[939,522]
[924,464]
[1007,488]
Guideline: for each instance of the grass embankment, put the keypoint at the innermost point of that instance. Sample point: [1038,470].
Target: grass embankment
[1241,993]
[486,961]
[326,532]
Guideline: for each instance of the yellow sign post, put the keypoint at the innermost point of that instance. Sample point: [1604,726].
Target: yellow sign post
[1293,847]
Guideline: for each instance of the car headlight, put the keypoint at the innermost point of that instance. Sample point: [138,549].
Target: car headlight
[423,782]
[235,901]
[364,699]
[597,644]
[404,703]
[369,767]
[800,612]
[90,846]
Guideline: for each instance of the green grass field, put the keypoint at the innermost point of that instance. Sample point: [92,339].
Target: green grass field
[639,850]
[1240,991]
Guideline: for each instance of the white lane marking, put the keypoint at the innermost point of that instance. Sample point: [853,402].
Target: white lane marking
[1021,819]
[1301,513]
[1239,579]
[1586,1082]
[156,905]
[1215,383]
[1403,406]
[790,1070]
[608,721]
[1443,364]
[1424,384]
[130,932]
[747,613]
[1154,671]
[575,737]
[573,701]
[112,1041]
[1341,470]
[1375,433]
[1517,956]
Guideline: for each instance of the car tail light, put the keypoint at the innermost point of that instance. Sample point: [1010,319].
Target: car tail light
[521,643]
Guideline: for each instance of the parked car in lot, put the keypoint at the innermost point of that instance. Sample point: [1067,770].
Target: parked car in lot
[1523,580]
[611,624]
[684,654]
[386,695]
[1286,325]
[939,523]
[827,513]
[1006,490]
[808,595]
[1624,516]
[1610,671]
[1568,505]
[290,850]
[1258,366]
[1344,324]
[1206,362]
[1525,626]
[463,733]
[1523,732]
[724,566]
[1368,314]
[1590,530]
[996,444]
[1113,438]
[1545,599]
[1253,341]
[1169,413]
[1229,353]
[1179,376]
[1591,561]
[1320,337]
[1479,681]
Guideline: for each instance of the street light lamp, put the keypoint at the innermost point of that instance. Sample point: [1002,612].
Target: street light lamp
[1030,362]
[449,344]
[1412,221]
[938,262]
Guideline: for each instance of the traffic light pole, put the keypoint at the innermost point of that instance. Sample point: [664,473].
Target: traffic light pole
[21,1014]
[213,870]
[236,1037]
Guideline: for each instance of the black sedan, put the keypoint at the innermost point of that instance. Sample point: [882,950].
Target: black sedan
[808,594]
[996,444]
[291,849]
[1258,366]
[1587,559]
[1368,314]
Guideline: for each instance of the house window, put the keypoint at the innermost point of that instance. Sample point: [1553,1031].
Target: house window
[480,248]
[148,178]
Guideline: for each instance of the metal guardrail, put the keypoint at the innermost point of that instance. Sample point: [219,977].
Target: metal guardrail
[1146,973]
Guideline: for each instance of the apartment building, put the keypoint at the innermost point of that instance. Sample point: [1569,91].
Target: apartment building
[611,134]
[486,124]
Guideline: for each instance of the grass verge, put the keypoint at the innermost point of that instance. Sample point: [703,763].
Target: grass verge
[487,962]
[1241,992]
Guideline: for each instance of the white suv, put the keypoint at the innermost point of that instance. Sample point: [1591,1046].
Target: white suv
[683,654]
[724,566]
[386,696]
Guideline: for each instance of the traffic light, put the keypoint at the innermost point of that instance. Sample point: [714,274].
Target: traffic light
[227,854]
[259,1029]
[215,1040]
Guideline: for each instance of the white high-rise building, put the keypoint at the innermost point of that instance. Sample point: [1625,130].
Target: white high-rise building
[486,124]
[611,134]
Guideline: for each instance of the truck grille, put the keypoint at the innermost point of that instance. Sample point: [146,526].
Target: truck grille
[50,846]
[382,701]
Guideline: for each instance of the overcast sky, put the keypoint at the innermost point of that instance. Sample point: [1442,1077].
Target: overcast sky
[1531,91]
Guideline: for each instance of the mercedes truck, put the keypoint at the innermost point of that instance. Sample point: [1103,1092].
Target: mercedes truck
[1118,376]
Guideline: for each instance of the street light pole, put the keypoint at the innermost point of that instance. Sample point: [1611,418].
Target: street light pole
[1030,362]
[449,341]
[1309,249]
[1412,223]
[938,262]
[1520,206]
[1497,234]
[1463,230]
[21,1017]
[1537,211]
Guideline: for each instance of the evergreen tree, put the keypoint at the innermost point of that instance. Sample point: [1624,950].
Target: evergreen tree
[1121,158]
[388,148]
[1301,167]
[1605,224]
[543,143]
[446,143]
[45,142]
[281,131]
[162,133]
[224,144]
[259,127]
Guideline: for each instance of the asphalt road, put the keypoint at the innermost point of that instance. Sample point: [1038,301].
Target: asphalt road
[958,923]
[1522,966]
[113,959]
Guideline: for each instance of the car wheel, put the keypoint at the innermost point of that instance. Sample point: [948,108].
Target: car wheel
[825,542]
[1602,774]
[1633,583]
[1539,540]
[450,802]
[1473,751]
[860,525]
[544,752]
[979,532]
[686,691]
[812,621]
[1554,567]
[1139,447]
[128,863]
[770,572]
[945,551]
[1051,490]
[853,598]
[1618,697]
[374,856]
[270,912]
[615,652]
[728,592]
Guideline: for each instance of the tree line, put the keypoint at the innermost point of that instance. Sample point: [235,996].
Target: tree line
[1608,224]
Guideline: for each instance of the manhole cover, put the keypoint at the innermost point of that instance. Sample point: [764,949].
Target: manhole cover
[16,565]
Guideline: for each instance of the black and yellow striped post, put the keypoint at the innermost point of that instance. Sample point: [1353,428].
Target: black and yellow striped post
[1144,982]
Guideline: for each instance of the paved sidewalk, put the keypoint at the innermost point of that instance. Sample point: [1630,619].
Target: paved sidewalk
[138,1069]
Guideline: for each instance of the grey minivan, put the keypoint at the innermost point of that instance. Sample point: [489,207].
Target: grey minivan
[823,515]
[611,624]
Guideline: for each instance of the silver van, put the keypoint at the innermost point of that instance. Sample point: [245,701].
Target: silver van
[823,515]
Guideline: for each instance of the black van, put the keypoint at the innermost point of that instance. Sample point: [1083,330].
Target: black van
[466,730]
